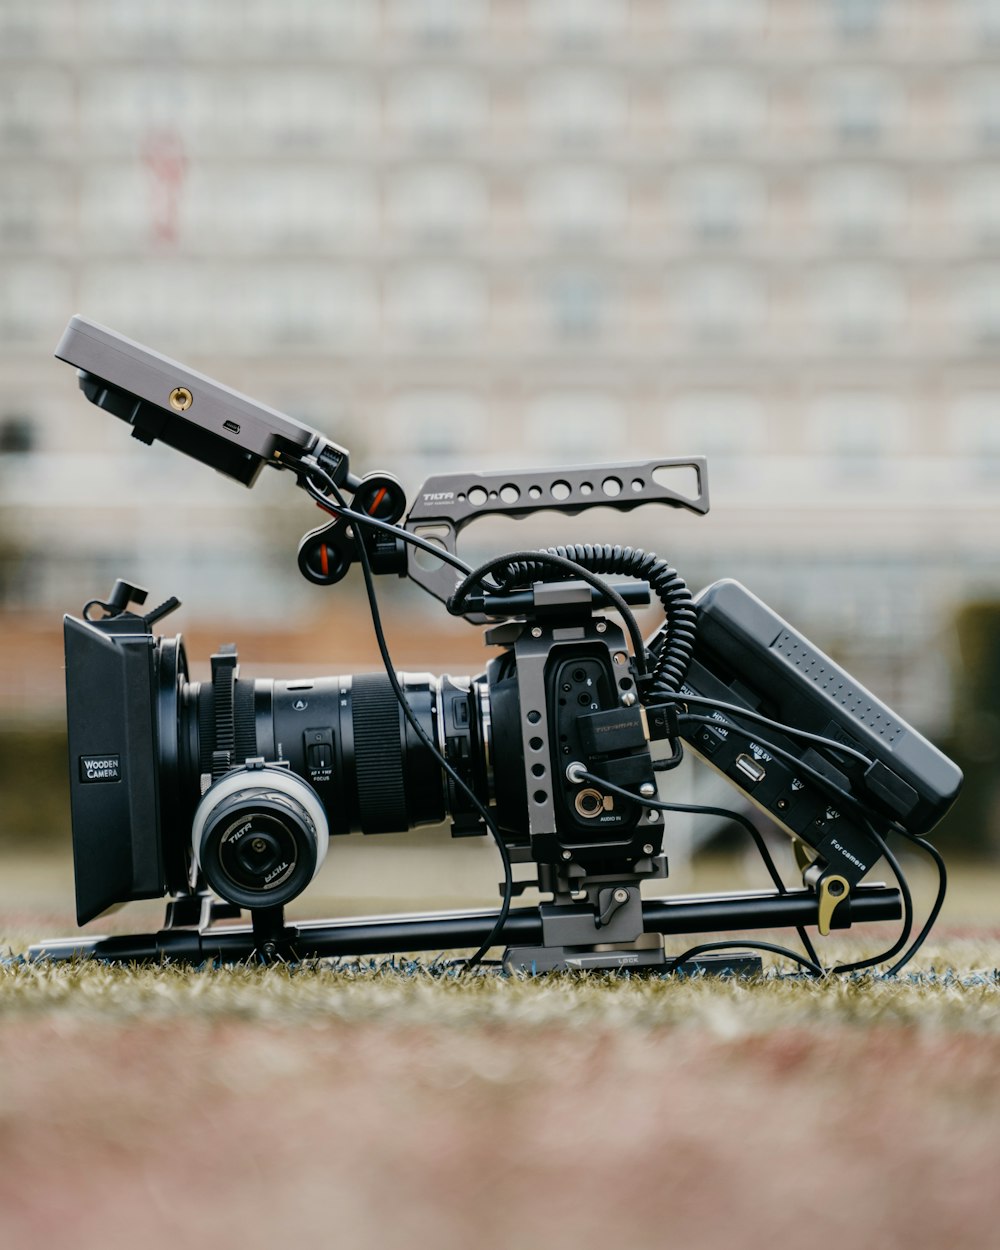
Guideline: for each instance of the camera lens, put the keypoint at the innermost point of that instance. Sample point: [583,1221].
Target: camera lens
[259,836]
[347,742]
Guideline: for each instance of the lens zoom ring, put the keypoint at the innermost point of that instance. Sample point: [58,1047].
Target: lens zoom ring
[378,755]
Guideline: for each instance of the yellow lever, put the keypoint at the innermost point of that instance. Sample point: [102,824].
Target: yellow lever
[833,890]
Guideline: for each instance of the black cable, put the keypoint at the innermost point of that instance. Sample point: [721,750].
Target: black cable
[692,951]
[461,593]
[702,809]
[842,797]
[362,518]
[864,814]
[904,890]
[938,900]
[807,770]
[672,655]
[792,732]
[411,716]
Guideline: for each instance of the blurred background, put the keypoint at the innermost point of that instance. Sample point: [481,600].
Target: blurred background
[454,233]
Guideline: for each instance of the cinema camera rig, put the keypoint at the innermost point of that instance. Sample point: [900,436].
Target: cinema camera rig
[223,794]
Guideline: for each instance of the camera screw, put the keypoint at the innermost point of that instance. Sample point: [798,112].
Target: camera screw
[652,817]
[647,789]
[628,699]
[620,896]
[567,854]
[536,632]
[602,627]
[621,657]
[647,848]
[180,399]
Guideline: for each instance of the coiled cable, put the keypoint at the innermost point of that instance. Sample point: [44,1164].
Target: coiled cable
[673,655]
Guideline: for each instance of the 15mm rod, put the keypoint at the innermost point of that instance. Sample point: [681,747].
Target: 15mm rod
[451,930]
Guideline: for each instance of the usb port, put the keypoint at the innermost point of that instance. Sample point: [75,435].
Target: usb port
[231,426]
[751,768]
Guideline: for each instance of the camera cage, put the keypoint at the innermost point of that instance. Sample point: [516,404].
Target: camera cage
[724,677]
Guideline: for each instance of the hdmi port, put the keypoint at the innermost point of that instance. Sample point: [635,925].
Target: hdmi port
[749,767]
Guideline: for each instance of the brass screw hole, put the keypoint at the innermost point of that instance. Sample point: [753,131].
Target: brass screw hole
[180,398]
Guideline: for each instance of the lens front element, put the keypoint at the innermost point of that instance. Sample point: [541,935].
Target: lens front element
[259,836]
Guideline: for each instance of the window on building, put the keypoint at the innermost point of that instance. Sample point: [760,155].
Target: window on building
[577,304]
[719,206]
[312,306]
[298,26]
[719,23]
[577,23]
[857,19]
[439,108]
[576,205]
[717,110]
[439,204]
[26,28]
[305,112]
[861,107]
[858,307]
[437,303]
[718,306]
[977,307]
[441,427]
[977,207]
[974,427]
[438,23]
[983,108]
[287,208]
[575,425]
[858,207]
[855,434]
[33,301]
[36,109]
[121,108]
[35,207]
[725,426]
[579,109]
[984,21]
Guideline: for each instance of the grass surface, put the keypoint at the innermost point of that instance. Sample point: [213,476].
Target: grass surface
[406,1106]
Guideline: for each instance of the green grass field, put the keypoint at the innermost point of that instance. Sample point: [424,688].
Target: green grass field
[373,1105]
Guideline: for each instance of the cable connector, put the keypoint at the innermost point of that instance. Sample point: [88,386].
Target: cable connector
[662,721]
[663,726]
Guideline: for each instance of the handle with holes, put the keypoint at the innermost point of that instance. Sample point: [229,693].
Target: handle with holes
[448,502]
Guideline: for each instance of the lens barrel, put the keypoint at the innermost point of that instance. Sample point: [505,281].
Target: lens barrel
[349,739]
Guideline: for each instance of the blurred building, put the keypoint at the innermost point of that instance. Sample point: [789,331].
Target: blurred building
[454,233]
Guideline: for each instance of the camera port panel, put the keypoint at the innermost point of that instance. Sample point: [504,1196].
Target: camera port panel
[581,685]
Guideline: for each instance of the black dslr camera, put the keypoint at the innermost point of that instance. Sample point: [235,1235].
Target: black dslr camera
[223,795]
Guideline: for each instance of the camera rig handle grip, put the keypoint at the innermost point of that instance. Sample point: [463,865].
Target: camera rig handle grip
[448,502]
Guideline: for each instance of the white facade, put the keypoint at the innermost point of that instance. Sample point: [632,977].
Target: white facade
[469,234]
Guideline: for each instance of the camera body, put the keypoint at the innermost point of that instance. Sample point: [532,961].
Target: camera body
[223,795]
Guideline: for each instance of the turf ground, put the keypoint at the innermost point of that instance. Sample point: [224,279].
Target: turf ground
[399,1107]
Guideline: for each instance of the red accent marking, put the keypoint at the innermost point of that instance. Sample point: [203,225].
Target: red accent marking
[376,501]
[324,560]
